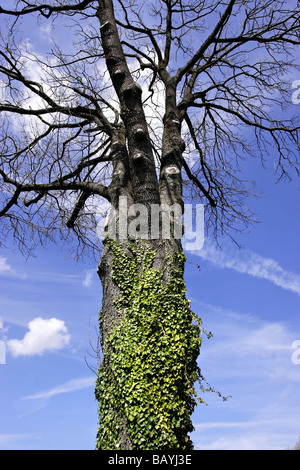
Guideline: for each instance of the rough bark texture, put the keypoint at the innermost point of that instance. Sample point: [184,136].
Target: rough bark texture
[150,347]
[134,176]
[144,405]
[140,158]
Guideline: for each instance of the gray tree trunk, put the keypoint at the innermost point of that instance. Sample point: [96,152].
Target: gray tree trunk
[150,346]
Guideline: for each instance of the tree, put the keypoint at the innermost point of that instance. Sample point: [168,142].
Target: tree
[147,109]
[297,445]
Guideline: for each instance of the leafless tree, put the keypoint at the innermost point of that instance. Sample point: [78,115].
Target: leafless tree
[158,102]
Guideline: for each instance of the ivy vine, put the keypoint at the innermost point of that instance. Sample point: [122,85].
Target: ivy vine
[149,367]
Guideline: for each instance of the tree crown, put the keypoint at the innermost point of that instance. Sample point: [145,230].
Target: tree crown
[182,87]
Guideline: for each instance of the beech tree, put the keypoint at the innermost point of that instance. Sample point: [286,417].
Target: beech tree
[139,109]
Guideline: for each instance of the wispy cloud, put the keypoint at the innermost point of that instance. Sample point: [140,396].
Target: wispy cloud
[88,280]
[46,32]
[22,273]
[8,271]
[249,359]
[270,427]
[68,387]
[11,441]
[253,264]
[43,335]
[246,346]
[4,266]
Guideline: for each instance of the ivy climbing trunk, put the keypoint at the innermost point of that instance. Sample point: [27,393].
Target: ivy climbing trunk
[150,338]
[150,342]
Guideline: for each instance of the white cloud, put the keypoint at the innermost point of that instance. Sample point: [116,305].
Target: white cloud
[43,335]
[268,429]
[258,440]
[248,262]
[245,346]
[7,441]
[4,267]
[46,32]
[88,280]
[251,360]
[70,386]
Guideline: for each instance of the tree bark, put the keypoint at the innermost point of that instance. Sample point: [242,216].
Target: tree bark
[150,344]
[140,156]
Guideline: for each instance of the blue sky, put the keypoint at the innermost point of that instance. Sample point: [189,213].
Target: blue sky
[248,299]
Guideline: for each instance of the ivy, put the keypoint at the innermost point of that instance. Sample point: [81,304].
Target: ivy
[149,365]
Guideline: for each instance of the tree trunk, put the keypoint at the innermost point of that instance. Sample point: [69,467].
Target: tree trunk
[150,340]
[140,158]
[150,345]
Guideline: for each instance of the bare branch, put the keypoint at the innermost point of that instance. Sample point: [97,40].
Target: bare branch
[47,10]
[210,40]
[200,85]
